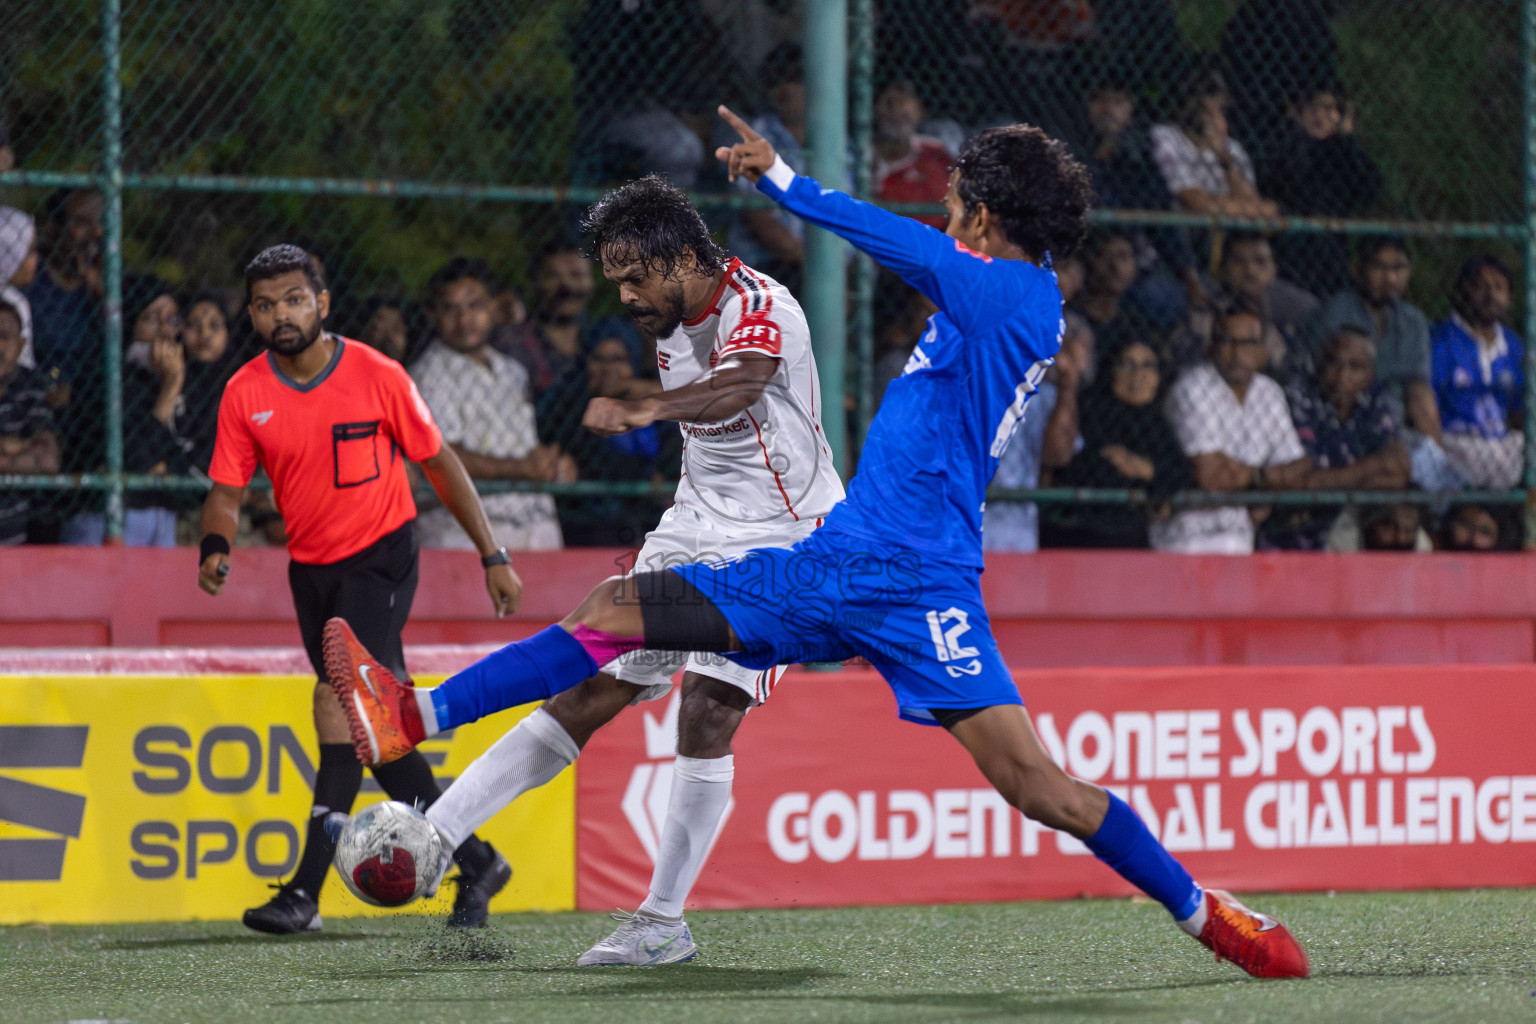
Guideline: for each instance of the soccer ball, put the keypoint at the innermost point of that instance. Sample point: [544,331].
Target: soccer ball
[389,854]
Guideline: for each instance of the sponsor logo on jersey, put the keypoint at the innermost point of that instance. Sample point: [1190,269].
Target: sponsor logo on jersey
[736,426]
[260,418]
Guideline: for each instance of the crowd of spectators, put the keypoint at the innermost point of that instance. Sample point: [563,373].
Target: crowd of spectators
[507,384]
[1193,359]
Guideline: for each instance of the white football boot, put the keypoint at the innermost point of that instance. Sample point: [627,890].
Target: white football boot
[642,941]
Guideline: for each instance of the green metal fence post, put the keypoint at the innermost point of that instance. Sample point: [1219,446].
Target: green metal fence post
[824,291]
[1528,154]
[861,101]
[111,185]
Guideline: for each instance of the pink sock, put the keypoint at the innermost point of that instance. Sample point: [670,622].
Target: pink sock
[605,646]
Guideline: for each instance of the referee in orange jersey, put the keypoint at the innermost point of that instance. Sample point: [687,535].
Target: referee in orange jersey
[333,423]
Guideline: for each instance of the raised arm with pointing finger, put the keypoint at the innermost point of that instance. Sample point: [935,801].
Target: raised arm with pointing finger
[959,280]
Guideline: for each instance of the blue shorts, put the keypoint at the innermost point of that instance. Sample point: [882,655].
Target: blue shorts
[920,624]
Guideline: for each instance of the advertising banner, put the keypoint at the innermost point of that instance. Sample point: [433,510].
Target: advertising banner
[144,798]
[1257,778]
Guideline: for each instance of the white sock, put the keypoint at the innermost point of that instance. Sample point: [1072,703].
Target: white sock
[536,750]
[701,790]
[1194,924]
[428,710]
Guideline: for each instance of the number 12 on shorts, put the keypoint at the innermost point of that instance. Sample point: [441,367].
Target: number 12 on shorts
[946,627]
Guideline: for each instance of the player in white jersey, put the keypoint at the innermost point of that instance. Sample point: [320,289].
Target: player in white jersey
[740,379]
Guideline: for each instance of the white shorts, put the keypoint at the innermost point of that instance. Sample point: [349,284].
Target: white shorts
[688,535]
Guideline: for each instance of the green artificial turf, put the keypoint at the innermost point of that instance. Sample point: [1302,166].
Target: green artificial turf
[1451,956]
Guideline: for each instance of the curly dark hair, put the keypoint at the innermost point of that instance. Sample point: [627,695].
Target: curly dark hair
[652,222]
[1032,184]
[277,260]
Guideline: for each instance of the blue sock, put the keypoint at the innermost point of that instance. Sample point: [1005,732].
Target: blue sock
[533,669]
[1124,843]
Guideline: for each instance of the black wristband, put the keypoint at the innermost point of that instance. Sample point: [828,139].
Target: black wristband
[213,544]
[500,557]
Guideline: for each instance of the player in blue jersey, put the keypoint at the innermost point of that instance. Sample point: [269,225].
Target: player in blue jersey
[894,574]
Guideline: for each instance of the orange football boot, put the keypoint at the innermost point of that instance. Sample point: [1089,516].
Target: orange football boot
[381,710]
[1256,942]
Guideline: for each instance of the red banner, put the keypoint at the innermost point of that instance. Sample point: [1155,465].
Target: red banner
[1257,778]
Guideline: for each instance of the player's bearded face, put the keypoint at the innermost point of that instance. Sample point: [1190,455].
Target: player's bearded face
[289,338]
[660,315]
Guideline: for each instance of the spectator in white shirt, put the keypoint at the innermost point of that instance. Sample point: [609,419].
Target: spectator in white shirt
[480,399]
[1235,427]
[1207,170]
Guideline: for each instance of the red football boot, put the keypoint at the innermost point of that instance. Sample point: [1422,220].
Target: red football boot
[381,710]
[1257,943]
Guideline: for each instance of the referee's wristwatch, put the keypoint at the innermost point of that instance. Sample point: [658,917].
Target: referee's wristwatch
[498,557]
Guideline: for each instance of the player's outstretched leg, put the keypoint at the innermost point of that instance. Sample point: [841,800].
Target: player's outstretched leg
[1011,756]
[388,717]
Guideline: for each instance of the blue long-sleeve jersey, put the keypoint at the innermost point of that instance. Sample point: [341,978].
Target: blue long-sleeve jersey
[934,445]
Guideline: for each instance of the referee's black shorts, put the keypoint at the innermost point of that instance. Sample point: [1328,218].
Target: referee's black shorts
[372,590]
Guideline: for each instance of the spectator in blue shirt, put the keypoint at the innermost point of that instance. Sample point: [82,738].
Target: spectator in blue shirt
[1478,376]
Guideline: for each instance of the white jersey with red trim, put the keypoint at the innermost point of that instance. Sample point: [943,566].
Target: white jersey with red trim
[769,465]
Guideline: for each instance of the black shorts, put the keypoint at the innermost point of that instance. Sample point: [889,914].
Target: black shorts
[372,590]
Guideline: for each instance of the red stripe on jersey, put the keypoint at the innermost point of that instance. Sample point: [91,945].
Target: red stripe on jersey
[766,462]
[713,308]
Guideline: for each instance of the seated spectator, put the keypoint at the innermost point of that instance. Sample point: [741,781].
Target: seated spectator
[1473,528]
[1043,440]
[1206,170]
[548,344]
[1233,424]
[18,269]
[1395,528]
[154,375]
[1117,151]
[1319,169]
[1375,305]
[1125,443]
[909,168]
[386,329]
[610,367]
[482,405]
[1349,430]
[1248,271]
[211,360]
[1247,275]
[1109,259]
[66,294]
[27,441]
[1478,371]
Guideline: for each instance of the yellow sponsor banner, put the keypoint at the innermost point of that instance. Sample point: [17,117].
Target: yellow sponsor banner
[137,798]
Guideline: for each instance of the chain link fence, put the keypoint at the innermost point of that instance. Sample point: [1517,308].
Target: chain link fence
[1321,206]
